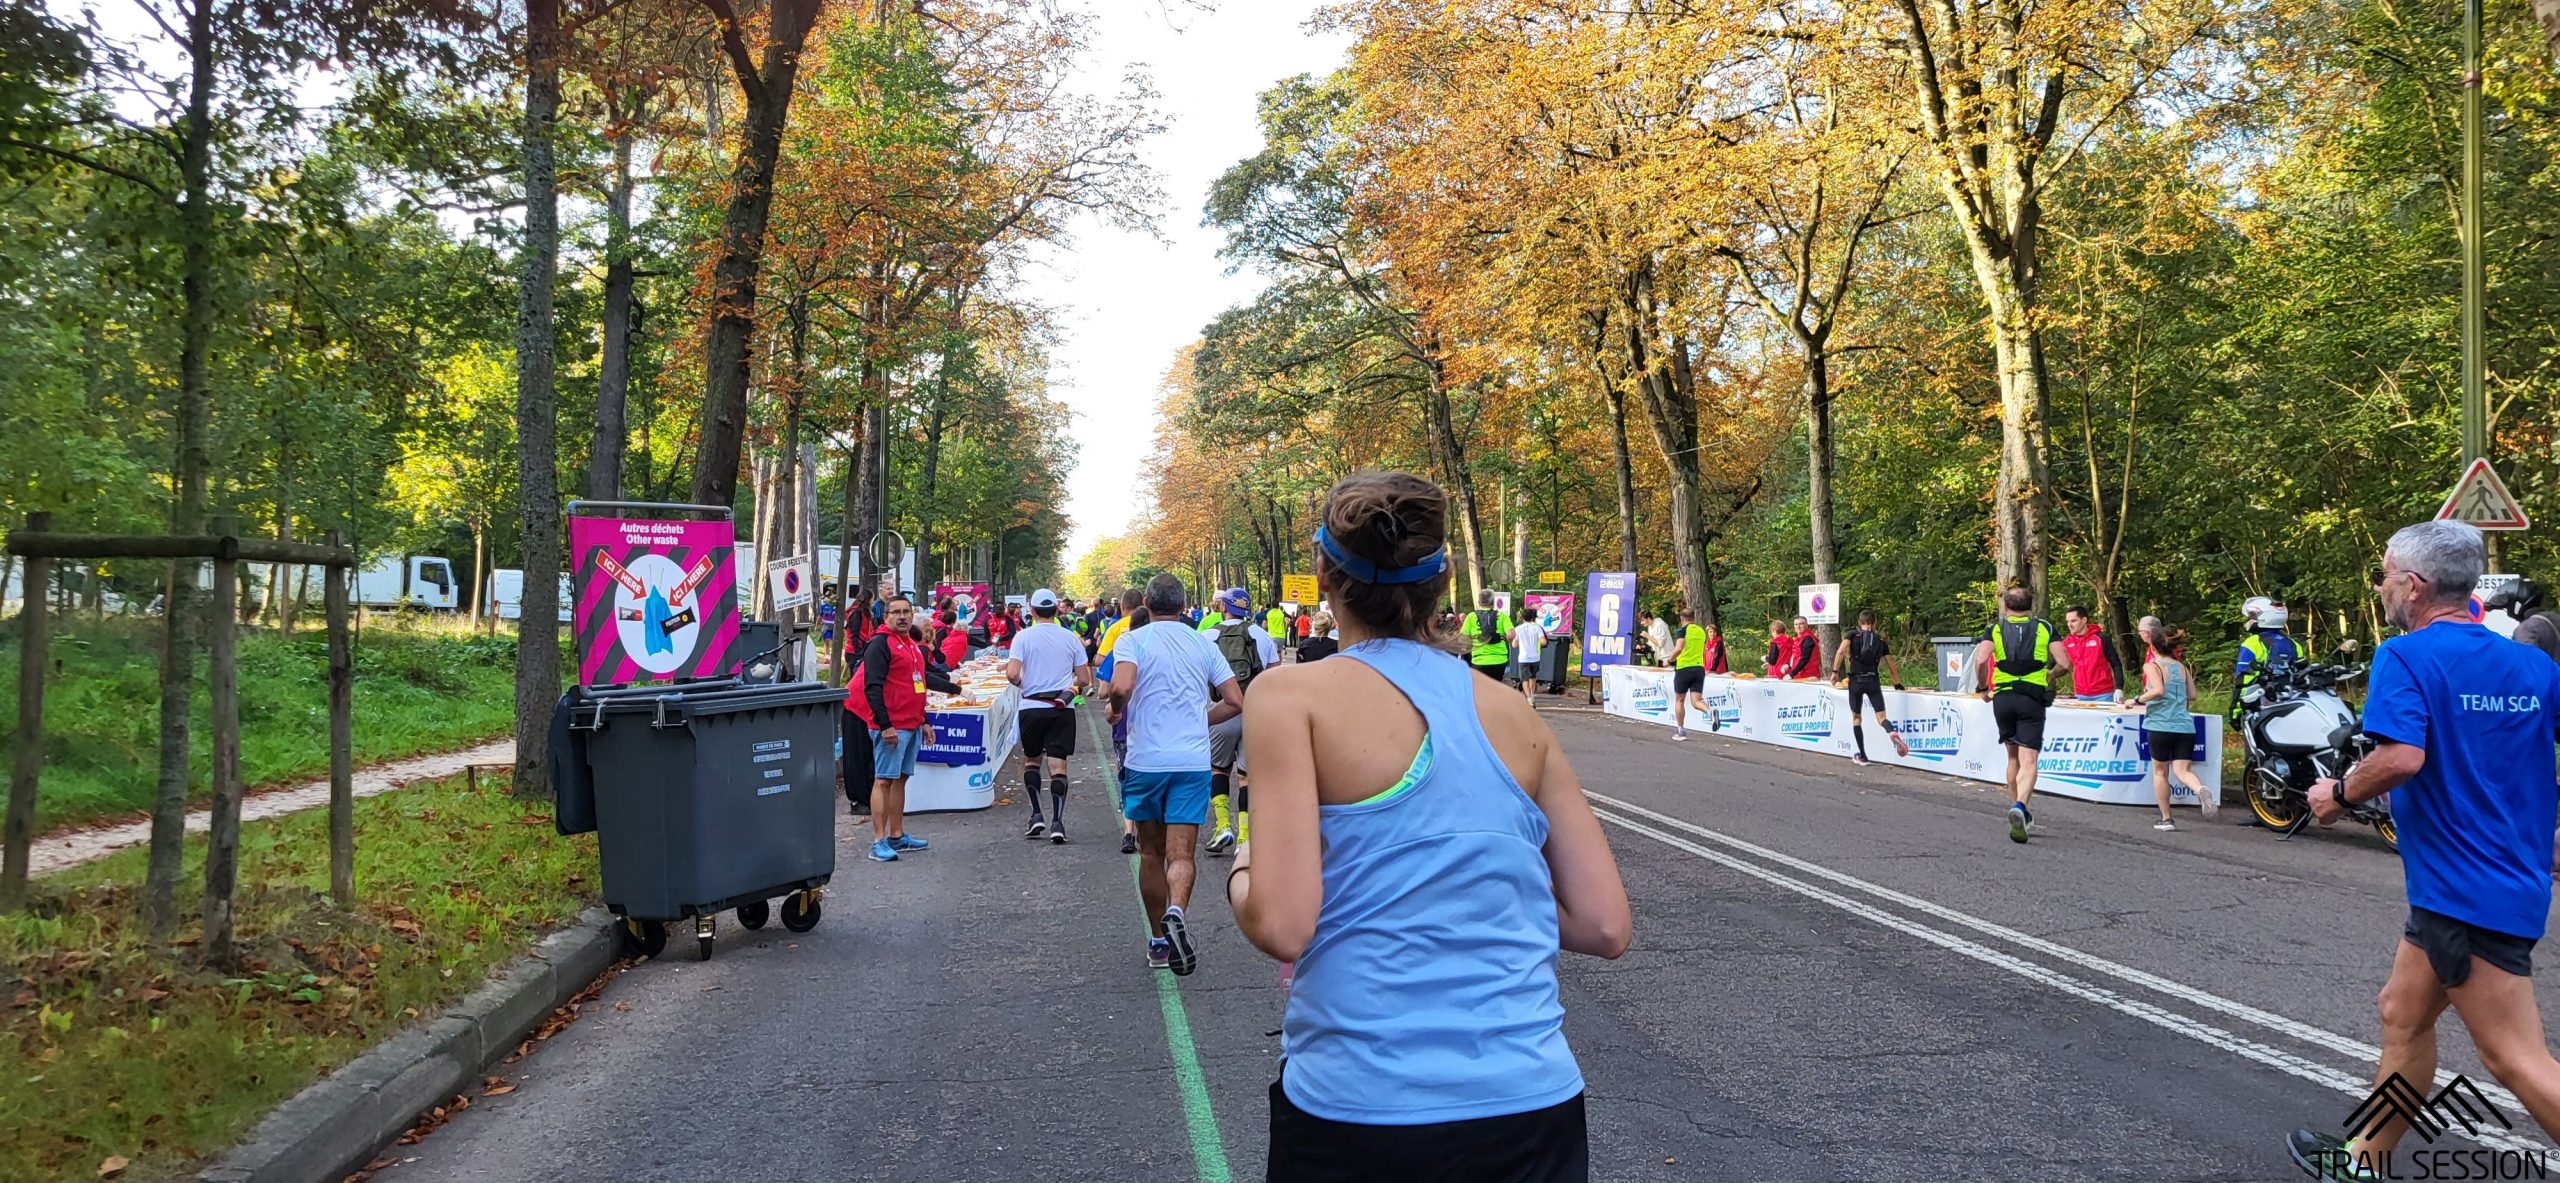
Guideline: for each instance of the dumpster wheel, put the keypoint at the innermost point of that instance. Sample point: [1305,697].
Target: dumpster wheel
[705,927]
[800,910]
[642,938]
[753,915]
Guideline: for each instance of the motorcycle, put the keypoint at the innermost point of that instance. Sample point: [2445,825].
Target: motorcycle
[2295,729]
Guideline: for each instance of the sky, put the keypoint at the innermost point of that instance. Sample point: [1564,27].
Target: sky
[1124,301]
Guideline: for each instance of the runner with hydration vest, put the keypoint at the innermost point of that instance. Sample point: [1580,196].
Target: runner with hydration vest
[2018,660]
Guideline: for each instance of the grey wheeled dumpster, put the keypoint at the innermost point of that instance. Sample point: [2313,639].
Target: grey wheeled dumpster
[705,796]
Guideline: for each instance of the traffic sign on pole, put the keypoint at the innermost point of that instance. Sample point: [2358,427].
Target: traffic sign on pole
[884,550]
[2481,499]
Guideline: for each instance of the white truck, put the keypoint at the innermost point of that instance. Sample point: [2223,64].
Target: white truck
[506,595]
[407,581]
[825,560]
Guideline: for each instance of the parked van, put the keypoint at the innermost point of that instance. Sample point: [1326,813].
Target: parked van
[506,594]
[407,581]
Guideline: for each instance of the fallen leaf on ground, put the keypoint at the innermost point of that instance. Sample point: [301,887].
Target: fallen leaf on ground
[112,1167]
[708,989]
[500,1091]
[409,927]
[622,1006]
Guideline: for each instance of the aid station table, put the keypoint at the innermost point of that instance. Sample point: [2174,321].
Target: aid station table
[973,736]
[2092,752]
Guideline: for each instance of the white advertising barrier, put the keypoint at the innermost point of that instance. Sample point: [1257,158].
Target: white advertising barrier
[2092,753]
[970,746]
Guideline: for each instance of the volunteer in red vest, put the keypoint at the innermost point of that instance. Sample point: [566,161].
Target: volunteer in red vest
[1805,663]
[888,694]
[1781,656]
[2097,674]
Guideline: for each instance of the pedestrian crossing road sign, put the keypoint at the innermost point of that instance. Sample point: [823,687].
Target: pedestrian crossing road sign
[2481,499]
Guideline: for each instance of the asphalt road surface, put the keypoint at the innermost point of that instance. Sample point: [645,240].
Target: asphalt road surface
[1838,974]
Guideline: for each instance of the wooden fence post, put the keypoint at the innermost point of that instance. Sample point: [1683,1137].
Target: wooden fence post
[342,794]
[33,628]
[222,841]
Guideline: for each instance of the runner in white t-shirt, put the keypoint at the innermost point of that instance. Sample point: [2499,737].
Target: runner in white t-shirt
[1047,661]
[1160,675]
[1528,641]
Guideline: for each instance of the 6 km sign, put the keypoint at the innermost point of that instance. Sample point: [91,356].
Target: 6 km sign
[2481,499]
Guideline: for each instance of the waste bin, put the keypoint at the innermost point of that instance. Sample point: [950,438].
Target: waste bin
[1552,665]
[1955,661]
[704,796]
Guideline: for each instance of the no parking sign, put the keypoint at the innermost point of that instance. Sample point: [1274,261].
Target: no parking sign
[792,582]
[654,598]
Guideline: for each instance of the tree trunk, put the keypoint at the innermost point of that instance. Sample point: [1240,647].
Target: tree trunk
[1620,461]
[482,594]
[844,568]
[613,379]
[1818,462]
[186,512]
[1671,410]
[1453,464]
[762,517]
[279,580]
[730,340]
[537,403]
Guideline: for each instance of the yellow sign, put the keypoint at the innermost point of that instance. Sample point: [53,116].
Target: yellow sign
[1551,578]
[1298,589]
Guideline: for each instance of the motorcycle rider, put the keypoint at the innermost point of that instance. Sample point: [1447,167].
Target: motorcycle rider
[2265,648]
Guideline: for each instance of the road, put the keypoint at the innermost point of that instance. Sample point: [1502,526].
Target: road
[1839,974]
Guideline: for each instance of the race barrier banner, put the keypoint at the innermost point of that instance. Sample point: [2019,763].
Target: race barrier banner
[967,600]
[2091,753]
[1609,623]
[655,599]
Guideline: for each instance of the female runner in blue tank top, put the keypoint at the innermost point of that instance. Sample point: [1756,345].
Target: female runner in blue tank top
[1423,867]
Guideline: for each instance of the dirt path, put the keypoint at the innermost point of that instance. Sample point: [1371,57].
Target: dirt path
[80,846]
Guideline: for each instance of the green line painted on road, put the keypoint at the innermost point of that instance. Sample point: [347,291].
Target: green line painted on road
[1208,1151]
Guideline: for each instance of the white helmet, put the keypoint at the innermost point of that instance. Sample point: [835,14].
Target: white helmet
[2262,612]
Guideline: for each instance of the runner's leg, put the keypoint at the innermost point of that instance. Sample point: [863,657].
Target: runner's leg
[1058,793]
[2410,1003]
[2026,773]
[2498,1008]
[1152,883]
[1177,844]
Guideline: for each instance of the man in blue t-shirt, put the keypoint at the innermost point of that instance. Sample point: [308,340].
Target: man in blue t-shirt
[2465,720]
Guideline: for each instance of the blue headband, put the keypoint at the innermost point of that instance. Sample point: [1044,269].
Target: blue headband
[1363,571]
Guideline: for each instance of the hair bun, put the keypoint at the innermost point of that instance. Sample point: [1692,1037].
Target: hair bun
[1388,523]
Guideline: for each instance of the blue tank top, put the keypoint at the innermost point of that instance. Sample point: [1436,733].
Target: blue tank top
[2169,711]
[1428,993]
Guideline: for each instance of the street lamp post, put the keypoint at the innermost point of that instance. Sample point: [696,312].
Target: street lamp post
[2475,279]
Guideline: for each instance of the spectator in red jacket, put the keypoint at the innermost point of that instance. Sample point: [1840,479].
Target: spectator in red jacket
[1805,664]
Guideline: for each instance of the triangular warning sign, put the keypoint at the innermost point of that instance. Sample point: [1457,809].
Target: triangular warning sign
[2481,499]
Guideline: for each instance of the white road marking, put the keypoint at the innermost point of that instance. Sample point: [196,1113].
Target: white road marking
[2349,1083]
[2359,1051]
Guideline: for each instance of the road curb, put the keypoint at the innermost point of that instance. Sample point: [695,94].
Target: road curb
[331,1129]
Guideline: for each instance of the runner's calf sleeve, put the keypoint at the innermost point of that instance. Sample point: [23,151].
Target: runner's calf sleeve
[1858,732]
[1058,796]
[1031,784]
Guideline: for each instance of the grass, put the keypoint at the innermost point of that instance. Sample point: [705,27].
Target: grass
[418,689]
[120,1048]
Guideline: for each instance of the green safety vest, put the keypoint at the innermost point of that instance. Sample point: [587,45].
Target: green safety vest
[1275,622]
[2256,647]
[2031,668]
[1693,649]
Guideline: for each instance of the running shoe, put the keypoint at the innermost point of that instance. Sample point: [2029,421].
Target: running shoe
[1128,844]
[2325,1157]
[910,842]
[1185,958]
[1058,836]
[883,852]
[1222,842]
[1679,733]
[2164,824]
[1860,760]
[1715,720]
[1159,953]
[1038,828]
[2017,823]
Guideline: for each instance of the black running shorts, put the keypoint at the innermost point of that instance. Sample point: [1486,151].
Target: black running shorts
[2450,945]
[1866,689]
[2020,716]
[1047,731]
[1550,1145]
[1692,680]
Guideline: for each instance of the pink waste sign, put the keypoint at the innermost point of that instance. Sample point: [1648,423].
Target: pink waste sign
[655,600]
